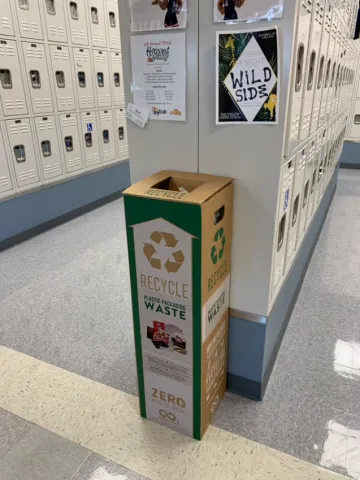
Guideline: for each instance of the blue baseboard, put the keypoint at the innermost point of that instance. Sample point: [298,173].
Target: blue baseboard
[30,214]
[253,346]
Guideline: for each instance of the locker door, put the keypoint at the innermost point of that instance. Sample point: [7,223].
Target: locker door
[22,151]
[97,23]
[116,76]
[102,78]
[306,191]
[28,15]
[121,134]
[312,170]
[324,106]
[330,107]
[295,208]
[63,80]
[11,83]
[83,78]
[70,142]
[283,216]
[5,179]
[6,20]
[90,138]
[107,137]
[113,23]
[77,21]
[55,21]
[38,77]
[298,77]
[311,73]
[48,144]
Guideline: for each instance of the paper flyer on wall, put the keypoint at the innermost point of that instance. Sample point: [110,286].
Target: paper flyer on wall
[247,10]
[159,75]
[148,15]
[247,77]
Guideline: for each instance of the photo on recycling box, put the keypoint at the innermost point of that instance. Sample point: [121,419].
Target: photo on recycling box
[148,15]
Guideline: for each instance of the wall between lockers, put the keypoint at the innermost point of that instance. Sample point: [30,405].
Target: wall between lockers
[62,112]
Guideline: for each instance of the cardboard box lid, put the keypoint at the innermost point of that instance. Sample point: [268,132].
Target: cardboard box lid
[175,186]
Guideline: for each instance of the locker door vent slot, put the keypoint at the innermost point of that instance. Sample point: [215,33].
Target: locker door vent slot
[46,148]
[74,12]
[100,79]
[299,67]
[19,151]
[82,79]
[311,70]
[306,192]
[50,7]
[60,78]
[94,15]
[106,136]
[117,79]
[6,79]
[281,233]
[69,144]
[112,19]
[121,133]
[24,4]
[35,79]
[295,210]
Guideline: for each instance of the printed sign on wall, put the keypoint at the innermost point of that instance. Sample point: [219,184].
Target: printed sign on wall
[247,85]
[247,10]
[159,75]
[147,15]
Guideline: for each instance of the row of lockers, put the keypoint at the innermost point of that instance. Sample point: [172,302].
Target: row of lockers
[80,22]
[323,70]
[47,149]
[57,78]
[304,178]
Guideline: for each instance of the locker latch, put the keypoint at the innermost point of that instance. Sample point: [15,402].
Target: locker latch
[100,79]
[117,79]
[88,139]
[82,79]
[74,12]
[60,78]
[50,7]
[69,144]
[112,19]
[6,79]
[94,15]
[281,233]
[46,148]
[121,133]
[35,78]
[24,4]
[106,136]
[19,151]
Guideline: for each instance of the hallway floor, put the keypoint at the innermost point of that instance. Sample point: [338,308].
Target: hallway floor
[66,324]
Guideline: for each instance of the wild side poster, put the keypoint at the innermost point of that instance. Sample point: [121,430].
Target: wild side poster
[247,86]
[150,15]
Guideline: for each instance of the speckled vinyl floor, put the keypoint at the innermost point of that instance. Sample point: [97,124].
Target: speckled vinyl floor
[65,302]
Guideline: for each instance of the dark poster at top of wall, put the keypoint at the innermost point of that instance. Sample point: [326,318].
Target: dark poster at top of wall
[247,77]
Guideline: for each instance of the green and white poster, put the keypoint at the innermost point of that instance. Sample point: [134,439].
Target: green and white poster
[247,83]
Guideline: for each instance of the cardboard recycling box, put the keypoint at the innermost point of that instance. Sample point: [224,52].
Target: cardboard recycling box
[179,229]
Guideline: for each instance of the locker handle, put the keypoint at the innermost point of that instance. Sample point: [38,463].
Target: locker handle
[46,148]
[121,133]
[306,192]
[112,20]
[321,72]
[328,70]
[24,4]
[94,15]
[311,70]
[69,143]
[117,79]
[313,182]
[6,79]
[106,136]
[100,79]
[281,233]
[88,139]
[60,78]
[357,119]
[19,151]
[35,79]
[74,12]
[295,210]
[82,79]
[299,67]
[50,7]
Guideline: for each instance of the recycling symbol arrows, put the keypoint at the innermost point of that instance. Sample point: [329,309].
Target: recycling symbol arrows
[215,254]
[173,263]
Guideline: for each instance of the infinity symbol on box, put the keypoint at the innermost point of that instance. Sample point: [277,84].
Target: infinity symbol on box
[170,416]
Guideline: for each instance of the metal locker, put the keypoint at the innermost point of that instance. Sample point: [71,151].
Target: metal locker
[306,191]
[38,77]
[102,78]
[121,134]
[298,77]
[55,20]
[107,137]
[83,78]
[23,152]
[295,208]
[70,142]
[116,76]
[11,83]
[323,137]
[48,143]
[312,174]
[5,178]
[97,23]
[283,222]
[6,20]
[323,69]
[60,60]
[325,107]
[77,21]
[331,100]
[29,21]
[89,132]
[312,65]
[113,23]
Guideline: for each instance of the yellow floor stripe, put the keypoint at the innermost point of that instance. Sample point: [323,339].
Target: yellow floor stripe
[107,422]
